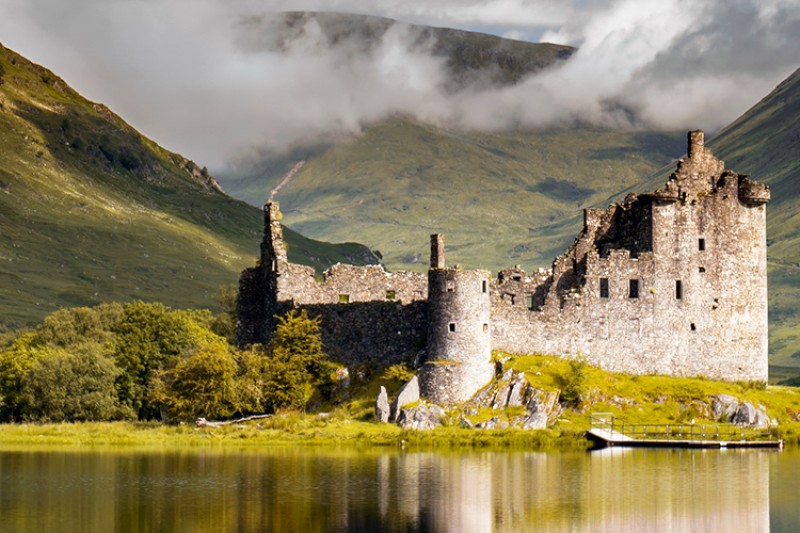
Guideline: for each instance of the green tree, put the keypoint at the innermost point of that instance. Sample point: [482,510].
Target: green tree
[76,325]
[224,322]
[298,365]
[149,338]
[15,363]
[72,386]
[202,383]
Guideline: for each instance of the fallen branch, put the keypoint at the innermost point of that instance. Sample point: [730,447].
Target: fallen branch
[202,422]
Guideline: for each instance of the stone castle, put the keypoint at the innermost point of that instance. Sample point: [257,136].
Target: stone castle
[672,282]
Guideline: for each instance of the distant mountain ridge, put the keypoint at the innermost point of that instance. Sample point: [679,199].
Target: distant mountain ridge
[92,211]
[474,60]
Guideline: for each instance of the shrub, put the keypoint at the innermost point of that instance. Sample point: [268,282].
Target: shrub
[72,387]
[200,384]
[574,382]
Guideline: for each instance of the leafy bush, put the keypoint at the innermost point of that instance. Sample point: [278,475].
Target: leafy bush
[72,386]
[149,338]
[574,382]
[202,384]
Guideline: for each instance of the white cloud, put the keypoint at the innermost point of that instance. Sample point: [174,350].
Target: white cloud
[204,77]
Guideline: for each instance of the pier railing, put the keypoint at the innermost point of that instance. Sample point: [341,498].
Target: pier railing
[681,432]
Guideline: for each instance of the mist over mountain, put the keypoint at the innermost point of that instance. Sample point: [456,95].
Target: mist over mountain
[185,71]
[91,211]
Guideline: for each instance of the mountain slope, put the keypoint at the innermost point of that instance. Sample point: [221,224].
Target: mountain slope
[500,198]
[92,211]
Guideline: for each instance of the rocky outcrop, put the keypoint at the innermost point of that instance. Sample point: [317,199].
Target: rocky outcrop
[382,409]
[408,393]
[513,390]
[728,409]
[422,416]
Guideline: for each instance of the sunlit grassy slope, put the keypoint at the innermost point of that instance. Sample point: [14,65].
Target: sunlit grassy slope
[499,198]
[92,211]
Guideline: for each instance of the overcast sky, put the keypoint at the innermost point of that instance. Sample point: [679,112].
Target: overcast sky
[187,74]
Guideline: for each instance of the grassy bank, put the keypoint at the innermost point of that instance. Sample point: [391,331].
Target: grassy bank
[292,430]
[350,423]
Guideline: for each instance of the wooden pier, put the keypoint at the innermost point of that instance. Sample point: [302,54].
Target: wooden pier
[607,430]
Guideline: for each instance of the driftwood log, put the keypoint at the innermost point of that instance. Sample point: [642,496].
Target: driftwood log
[203,423]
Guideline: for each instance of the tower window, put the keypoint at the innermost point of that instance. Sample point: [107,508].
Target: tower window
[486,328]
[344,298]
[678,289]
[451,286]
[694,328]
[391,295]
[701,244]
[485,286]
[633,288]
[451,326]
[603,287]
[529,301]
[701,269]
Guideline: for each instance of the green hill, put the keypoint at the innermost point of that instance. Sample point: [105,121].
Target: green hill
[500,198]
[92,211]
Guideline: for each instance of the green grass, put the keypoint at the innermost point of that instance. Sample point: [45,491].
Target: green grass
[635,399]
[91,211]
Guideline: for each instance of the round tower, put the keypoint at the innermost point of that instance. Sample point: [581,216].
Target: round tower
[459,331]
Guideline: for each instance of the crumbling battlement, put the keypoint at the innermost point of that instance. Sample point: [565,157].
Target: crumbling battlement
[671,282]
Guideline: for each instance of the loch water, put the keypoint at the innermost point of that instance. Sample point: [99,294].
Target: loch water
[323,489]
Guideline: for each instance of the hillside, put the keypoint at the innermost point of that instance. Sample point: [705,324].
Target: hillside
[92,211]
[507,195]
[500,198]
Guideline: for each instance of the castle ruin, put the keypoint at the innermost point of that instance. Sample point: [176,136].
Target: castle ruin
[672,282]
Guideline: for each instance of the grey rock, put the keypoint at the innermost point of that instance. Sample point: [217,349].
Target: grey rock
[382,409]
[465,423]
[422,417]
[727,408]
[724,407]
[751,416]
[516,394]
[408,393]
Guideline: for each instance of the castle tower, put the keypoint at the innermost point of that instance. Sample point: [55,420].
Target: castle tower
[257,300]
[459,335]
[710,269]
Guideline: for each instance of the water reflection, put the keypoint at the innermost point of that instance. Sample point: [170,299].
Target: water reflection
[313,490]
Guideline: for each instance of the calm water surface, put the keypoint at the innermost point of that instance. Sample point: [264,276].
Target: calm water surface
[309,490]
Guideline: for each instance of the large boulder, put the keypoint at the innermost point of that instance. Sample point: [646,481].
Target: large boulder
[421,416]
[724,407]
[408,393]
[751,416]
[728,409]
[542,410]
[382,409]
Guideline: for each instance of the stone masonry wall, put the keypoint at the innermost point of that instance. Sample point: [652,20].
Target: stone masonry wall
[671,282]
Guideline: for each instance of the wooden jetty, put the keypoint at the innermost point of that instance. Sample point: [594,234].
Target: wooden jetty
[607,430]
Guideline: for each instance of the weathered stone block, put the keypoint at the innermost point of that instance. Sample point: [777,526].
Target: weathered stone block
[408,393]
[382,409]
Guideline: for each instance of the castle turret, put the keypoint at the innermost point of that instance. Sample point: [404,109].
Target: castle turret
[459,336]
[256,302]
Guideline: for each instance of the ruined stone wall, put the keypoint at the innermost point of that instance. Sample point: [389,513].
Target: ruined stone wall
[367,314]
[700,302]
[672,282]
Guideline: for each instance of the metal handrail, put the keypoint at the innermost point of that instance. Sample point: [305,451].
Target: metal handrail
[688,432]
